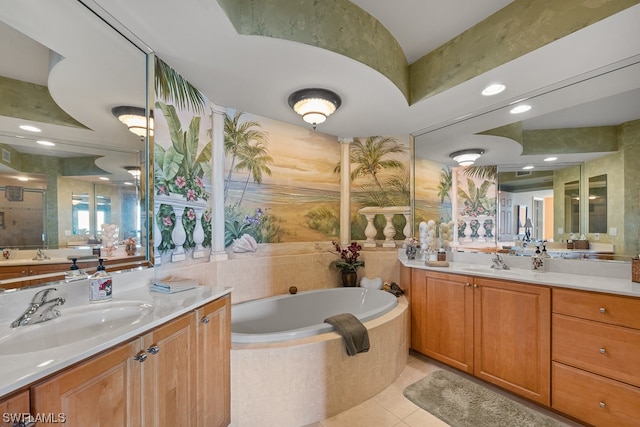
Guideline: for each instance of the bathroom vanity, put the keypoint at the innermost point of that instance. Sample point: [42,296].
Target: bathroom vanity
[566,341]
[170,365]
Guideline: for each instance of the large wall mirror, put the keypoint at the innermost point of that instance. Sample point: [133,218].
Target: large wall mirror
[63,71]
[591,126]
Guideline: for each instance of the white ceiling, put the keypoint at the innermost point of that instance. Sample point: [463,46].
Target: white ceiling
[257,74]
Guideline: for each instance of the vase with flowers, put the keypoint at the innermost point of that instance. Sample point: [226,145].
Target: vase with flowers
[348,262]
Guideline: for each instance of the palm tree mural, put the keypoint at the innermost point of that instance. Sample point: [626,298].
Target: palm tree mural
[371,157]
[253,158]
[175,89]
[444,186]
[237,137]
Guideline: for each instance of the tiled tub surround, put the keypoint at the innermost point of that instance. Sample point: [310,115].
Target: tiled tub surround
[21,369]
[299,382]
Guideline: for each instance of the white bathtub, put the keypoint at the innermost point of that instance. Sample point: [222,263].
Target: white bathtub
[298,381]
[286,317]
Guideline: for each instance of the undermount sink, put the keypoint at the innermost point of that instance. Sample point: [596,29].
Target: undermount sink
[75,324]
[516,272]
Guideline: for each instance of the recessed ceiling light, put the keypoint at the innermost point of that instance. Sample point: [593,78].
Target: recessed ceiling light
[30,128]
[104,178]
[47,143]
[493,89]
[550,159]
[528,167]
[128,183]
[23,178]
[520,109]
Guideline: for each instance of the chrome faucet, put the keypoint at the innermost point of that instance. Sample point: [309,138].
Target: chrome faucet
[498,263]
[40,309]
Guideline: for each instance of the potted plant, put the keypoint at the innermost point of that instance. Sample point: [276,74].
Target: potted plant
[348,262]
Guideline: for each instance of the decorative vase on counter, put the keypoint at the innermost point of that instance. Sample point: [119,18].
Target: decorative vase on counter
[349,279]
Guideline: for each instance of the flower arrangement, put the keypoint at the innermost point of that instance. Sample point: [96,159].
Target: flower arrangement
[348,257]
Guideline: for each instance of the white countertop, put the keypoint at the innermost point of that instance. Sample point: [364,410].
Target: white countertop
[19,370]
[583,282]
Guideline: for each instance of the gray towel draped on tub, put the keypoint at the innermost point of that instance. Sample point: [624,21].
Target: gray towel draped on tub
[356,337]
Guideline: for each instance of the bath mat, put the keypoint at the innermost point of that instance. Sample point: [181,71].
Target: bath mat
[463,403]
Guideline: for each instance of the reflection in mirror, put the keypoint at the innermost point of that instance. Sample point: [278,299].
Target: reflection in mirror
[80,223]
[75,155]
[598,204]
[572,207]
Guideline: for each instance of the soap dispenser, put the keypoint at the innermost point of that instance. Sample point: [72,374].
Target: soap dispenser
[75,273]
[100,284]
[536,260]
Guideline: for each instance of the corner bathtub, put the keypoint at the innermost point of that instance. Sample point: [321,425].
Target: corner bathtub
[286,317]
[289,368]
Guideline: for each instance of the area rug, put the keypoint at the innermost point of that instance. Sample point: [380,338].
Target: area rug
[463,403]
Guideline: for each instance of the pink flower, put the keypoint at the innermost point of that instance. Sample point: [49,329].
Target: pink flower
[162,189]
[167,221]
[199,182]
[191,195]
[180,181]
[191,215]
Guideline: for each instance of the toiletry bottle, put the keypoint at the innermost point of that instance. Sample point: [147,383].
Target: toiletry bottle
[75,273]
[100,284]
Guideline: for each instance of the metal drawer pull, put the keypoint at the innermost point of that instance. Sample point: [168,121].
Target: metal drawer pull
[603,310]
[603,350]
[140,357]
[475,286]
[602,404]
[205,320]
[154,349]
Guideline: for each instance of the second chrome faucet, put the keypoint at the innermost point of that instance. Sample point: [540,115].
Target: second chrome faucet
[40,309]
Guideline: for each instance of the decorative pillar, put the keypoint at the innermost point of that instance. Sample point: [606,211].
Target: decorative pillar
[389,232]
[198,234]
[178,235]
[217,185]
[370,231]
[345,191]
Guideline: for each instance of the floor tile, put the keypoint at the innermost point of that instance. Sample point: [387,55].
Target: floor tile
[367,414]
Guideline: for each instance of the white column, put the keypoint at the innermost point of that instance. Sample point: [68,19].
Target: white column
[217,184]
[389,232]
[345,190]
[370,231]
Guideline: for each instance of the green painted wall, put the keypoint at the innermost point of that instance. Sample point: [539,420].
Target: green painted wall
[573,140]
[521,27]
[630,143]
[336,25]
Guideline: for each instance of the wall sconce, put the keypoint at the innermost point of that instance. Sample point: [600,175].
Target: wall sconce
[135,119]
[314,105]
[467,157]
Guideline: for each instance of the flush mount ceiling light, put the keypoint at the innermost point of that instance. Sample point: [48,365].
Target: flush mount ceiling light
[45,143]
[30,128]
[135,119]
[314,105]
[493,89]
[528,167]
[551,159]
[467,157]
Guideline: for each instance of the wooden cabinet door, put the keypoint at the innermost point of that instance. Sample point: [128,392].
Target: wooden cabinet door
[449,319]
[213,332]
[102,392]
[14,409]
[168,374]
[512,337]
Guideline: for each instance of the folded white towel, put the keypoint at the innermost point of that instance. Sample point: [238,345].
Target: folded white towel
[173,286]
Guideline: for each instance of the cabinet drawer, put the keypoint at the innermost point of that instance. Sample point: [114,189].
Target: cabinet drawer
[612,351]
[617,310]
[594,399]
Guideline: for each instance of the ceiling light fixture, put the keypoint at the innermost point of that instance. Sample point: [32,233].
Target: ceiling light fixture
[528,167]
[493,89]
[550,159]
[467,157]
[45,143]
[314,105]
[135,119]
[520,109]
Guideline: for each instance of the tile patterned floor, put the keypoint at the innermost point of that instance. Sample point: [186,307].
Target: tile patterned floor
[391,409]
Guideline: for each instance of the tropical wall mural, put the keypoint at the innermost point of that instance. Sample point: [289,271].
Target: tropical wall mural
[279,181]
[182,169]
[433,202]
[475,190]
[379,178]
